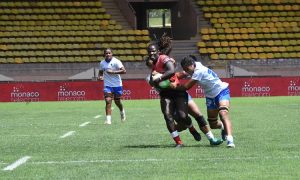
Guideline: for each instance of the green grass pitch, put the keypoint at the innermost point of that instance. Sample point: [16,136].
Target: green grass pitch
[266,132]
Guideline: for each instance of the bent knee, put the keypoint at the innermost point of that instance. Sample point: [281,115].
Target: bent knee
[213,123]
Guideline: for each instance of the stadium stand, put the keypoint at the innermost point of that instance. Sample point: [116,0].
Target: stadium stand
[44,40]
[64,31]
[250,29]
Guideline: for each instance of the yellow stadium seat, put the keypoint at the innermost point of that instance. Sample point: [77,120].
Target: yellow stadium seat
[205,37]
[230,56]
[246,56]
[254,55]
[214,56]
[201,44]
[238,56]
[222,56]
[224,43]
[216,44]
[143,52]
[243,49]
[211,50]
[234,50]
[204,31]
[226,49]
[203,51]
[219,50]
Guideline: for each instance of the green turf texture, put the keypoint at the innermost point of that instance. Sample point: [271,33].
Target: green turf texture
[266,132]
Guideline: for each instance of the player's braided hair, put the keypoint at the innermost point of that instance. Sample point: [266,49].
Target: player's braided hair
[164,44]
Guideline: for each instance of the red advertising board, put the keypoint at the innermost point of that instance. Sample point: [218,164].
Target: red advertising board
[138,89]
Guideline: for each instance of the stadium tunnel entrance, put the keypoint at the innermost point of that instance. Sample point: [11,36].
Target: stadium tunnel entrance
[177,18]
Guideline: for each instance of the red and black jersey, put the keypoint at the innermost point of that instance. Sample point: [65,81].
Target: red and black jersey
[160,64]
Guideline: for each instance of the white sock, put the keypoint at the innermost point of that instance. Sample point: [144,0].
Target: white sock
[209,135]
[174,134]
[229,138]
[108,118]
[123,111]
[222,126]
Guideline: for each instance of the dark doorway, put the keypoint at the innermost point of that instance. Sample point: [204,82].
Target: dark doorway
[176,18]
[156,17]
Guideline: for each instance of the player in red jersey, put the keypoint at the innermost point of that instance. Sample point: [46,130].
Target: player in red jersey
[170,100]
[193,110]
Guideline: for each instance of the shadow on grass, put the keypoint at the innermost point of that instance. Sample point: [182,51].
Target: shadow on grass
[156,146]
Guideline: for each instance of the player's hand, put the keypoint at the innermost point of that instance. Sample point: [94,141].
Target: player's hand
[151,82]
[154,73]
[156,81]
[100,78]
[173,85]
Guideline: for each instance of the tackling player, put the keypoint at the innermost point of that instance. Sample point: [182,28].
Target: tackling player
[216,92]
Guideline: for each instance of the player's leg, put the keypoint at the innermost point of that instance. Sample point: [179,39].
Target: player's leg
[179,125]
[223,106]
[108,96]
[212,116]
[118,92]
[194,110]
[181,102]
[167,108]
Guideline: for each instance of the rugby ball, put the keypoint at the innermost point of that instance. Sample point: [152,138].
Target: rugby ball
[162,84]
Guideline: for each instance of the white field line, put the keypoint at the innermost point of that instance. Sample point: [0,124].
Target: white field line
[84,124]
[26,135]
[160,160]
[96,117]
[67,134]
[16,164]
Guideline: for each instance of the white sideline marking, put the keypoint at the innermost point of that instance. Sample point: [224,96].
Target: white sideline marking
[84,124]
[67,134]
[17,163]
[96,117]
[159,160]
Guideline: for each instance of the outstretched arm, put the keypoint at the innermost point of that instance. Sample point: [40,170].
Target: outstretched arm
[182,75]
[183,87]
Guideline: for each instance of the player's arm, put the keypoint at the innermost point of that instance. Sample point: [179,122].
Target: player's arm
[183,87]
[169,72]
[100,74]
[122,70]
[182,75]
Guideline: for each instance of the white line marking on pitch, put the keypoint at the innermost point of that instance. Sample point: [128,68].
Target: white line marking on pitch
[96,117]
[17,163]
[160,160]
[67,134]
[84,124]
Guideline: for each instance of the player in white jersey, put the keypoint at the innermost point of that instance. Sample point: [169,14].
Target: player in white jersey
[109,71]
[216,92]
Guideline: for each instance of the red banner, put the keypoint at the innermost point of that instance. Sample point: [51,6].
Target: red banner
[138,89]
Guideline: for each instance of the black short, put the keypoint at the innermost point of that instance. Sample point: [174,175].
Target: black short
[173,93]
